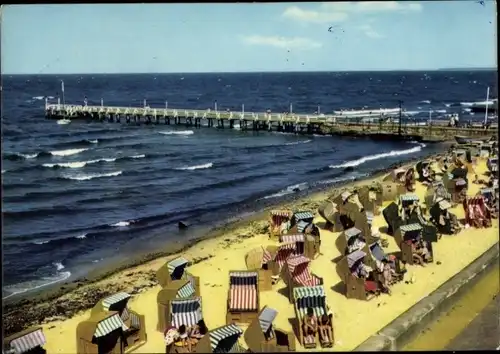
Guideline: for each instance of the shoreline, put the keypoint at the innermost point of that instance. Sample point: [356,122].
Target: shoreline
[47,299]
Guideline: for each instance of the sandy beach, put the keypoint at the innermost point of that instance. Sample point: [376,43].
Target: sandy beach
[354,320]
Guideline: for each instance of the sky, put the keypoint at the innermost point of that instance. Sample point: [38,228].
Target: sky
[336,36]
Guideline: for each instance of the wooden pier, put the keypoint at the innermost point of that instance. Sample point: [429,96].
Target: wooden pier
[386,128]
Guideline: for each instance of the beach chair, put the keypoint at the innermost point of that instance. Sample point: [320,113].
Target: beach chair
[221,340]
[397,175]
[306,245]
[101,333]
[422,168]
[492,164]
[242,297]
[391,189]
[328,210]
[315,298]
[406,237]
[29,341]
[459,192]
[489,196]
[434,192]
[279,222]
[376,253]
[135,334]
[392,218]
[175,269]
[300,220]
[176,290]
[371,198]
[441,209]
[350,240]
[476,213]
[279,255]
[263,337]
[258,260]
[185,312]
[358,287]
[296,273]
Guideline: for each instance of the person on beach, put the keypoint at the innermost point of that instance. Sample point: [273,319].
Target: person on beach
[310,323]
[354,244]
[183,340]
[325,330]
[388,275]
[198,331]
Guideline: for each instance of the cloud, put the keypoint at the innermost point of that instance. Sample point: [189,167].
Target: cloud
[283,42]
[341,11]
[369,31]
[296,13]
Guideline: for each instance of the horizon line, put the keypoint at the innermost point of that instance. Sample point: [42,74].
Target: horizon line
[257,72]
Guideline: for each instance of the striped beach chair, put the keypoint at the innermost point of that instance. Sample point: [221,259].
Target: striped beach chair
[185,312]
[310,297]
[261,335]
[221,340]
[243,297]
[279,222]
[175,269]
[135,323]
[279,256]
[176,290]
[476,213]
[31,340]
[101,332]
[296,273]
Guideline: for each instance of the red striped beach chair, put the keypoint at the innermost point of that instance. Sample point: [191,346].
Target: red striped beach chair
[135,334]
[311,297]
[221,340]
[243,297]
[31,340]
[279,222]
[279,256]
[296,273]
[476,213]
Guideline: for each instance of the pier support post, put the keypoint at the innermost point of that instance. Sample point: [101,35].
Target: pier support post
[231,123]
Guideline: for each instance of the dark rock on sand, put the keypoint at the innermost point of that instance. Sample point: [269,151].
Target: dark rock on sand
[183,225]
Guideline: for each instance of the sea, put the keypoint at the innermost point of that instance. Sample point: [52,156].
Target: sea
[80,195]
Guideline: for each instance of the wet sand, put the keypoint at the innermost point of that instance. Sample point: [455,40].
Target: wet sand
[354,321]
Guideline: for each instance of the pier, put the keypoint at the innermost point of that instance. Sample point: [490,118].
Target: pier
[387,127]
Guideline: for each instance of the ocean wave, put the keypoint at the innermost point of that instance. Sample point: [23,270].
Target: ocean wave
[196,167]
[357,162]
[288,190]
[123,223]
[16,156]
[425,101]
[87,177]
[467,104]
[177,132]
[80,164]
[63,121]
[298,142]
[24,287]
[67,152]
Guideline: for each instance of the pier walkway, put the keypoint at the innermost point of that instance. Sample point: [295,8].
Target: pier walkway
[385,128]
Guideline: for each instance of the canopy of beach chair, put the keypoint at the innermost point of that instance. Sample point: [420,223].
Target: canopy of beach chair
[354,257]
[109,325]
[444,204]
[302,225]
[303,215]
[185,312]
[297,263]
[176,267]
[292,238]
[116,302]
[408,197]
[310,296]
[221,333]
[266,318]
[26,341]
[281,213]
[243,290]
[352,232]
[411,231]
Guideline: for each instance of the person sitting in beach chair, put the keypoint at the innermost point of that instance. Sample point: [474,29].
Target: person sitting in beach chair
[310,323]
[197,331]
[421,253]
[410,180]
[325,329]
[354,244]
[183,341]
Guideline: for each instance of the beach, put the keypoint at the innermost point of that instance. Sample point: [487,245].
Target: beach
[354,320]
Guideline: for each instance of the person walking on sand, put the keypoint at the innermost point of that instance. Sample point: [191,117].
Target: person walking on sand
[310,323]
